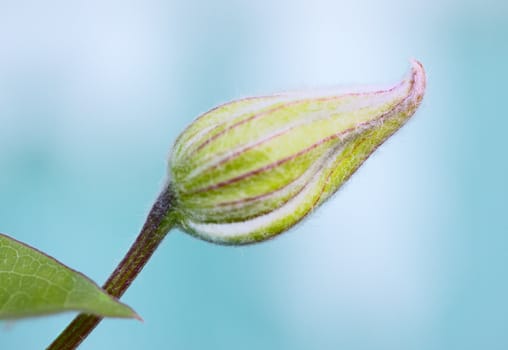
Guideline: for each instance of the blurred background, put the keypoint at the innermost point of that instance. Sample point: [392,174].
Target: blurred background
[410,254]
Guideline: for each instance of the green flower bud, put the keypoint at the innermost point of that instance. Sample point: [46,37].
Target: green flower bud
[252,168]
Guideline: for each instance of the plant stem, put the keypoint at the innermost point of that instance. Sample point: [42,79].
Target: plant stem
[158,223]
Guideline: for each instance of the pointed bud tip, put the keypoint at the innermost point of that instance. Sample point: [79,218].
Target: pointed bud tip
[419,79]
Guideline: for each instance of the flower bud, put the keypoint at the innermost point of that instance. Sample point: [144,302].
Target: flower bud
[252,168]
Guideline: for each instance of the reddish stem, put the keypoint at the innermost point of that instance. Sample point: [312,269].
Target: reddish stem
[158,223]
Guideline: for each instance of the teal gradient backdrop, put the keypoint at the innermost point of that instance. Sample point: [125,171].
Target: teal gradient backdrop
[410,254]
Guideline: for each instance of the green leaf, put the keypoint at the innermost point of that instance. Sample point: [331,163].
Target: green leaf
[33,284]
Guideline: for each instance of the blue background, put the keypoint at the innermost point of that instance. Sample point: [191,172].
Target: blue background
[410,254]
